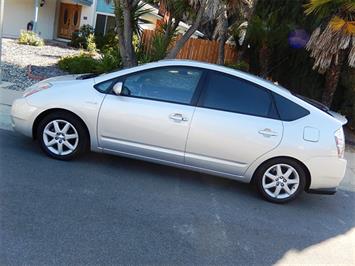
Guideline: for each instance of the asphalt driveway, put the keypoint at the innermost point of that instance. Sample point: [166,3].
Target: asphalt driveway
[109,210]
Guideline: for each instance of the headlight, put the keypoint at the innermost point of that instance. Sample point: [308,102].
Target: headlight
[36,88]
[340,142]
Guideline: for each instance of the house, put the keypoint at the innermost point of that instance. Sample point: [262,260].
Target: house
[58,19]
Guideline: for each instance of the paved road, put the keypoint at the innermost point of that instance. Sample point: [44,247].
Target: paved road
[108,210]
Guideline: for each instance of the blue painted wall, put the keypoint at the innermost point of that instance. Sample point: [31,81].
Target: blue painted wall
[84,2]
[102,6]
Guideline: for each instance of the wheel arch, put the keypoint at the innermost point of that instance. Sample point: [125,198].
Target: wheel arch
[54,110]
[304,167]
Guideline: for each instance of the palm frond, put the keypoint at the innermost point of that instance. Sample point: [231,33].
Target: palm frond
[338,23]
[325,47]
[315,6]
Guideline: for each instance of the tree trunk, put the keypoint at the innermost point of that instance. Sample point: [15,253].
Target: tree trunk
[118,18]
[223,21]
[123,15]
[130,59]
[244,47]
[264,56]
[332,78]
[184,38]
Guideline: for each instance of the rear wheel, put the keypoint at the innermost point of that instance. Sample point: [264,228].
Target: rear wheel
[62,136]
[280,180]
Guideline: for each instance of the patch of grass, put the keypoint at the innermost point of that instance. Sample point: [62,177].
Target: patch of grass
[30,38]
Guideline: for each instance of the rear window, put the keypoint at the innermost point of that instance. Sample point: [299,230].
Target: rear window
[288,110]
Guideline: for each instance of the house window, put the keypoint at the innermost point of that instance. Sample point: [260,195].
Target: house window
[104,24]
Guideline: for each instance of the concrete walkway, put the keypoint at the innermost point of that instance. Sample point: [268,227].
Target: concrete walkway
[6,99]
[8,96]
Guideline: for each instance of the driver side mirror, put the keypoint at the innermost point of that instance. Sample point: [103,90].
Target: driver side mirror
[117,88]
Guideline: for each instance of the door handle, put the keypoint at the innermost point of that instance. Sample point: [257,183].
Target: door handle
[177,117]
[267,132]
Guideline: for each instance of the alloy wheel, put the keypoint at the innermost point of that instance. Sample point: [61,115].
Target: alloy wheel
[280,181]
[60,137]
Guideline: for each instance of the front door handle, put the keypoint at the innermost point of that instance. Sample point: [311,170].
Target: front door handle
[267,132]
[177,117]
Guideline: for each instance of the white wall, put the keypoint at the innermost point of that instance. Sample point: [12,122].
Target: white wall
[17,13]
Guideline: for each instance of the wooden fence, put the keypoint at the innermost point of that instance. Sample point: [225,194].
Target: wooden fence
[196,49]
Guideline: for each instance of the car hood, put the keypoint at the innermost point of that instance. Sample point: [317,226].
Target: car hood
[62,78]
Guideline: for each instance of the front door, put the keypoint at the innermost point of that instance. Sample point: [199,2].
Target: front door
[69,20]
[152,116]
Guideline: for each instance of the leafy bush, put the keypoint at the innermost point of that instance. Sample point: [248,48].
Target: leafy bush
[30,38]
[84,38]
[110,60]
[85,63]
[78,64]
[242,65]
[107,41]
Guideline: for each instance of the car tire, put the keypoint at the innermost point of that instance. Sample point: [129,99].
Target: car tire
[280,180]
[62,136]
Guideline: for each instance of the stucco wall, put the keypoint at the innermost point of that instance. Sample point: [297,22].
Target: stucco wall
[17,13]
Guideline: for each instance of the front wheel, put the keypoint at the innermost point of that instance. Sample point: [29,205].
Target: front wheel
[280,180]
[62,136]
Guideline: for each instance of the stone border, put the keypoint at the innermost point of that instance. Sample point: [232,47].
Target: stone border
[33,76]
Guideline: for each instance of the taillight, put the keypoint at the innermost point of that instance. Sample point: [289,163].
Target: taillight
[340,142]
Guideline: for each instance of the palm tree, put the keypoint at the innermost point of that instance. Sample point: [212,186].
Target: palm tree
[127,15]
[332,44]
[264,32]
[227,9]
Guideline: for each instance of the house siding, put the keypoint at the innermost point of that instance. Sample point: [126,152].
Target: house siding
[103,7]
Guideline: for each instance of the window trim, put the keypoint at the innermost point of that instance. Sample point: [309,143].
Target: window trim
[194,98]
[203,95]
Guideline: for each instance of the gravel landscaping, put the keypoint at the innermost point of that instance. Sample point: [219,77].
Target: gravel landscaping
[17,57]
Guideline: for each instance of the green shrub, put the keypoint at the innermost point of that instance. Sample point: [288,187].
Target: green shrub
[85,63]
[84,38]
[107,41]
[30,38]
[242,65]
[78,64]
[110,60]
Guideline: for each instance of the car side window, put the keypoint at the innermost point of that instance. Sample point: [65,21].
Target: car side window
[228,93]
[172,84]
[288,110]
[105,86]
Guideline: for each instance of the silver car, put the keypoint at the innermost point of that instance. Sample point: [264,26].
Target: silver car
[192,115]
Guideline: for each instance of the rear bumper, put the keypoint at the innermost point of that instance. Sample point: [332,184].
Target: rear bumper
[323,191]
[326,173]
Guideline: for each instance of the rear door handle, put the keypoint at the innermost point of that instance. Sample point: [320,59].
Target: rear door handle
[267,132]
[177,117]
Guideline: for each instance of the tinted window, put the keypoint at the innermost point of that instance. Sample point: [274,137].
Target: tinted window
[105,86]
[289,110]
[228,93]
[173,84]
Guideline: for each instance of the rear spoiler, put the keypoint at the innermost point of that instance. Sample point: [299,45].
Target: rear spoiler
[342,119]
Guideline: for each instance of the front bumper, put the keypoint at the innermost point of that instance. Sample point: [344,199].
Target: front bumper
[23,116]
[326,173]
